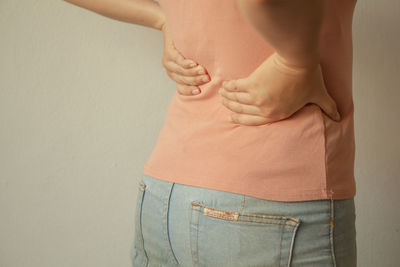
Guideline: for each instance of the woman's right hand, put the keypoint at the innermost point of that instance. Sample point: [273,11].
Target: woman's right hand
[180,70]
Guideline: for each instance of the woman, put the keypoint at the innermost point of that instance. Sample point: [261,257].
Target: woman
[254,165]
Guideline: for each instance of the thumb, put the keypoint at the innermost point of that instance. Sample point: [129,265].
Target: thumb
[329,106]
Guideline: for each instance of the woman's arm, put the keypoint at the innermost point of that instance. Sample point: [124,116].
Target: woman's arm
[149,13]
[291,77]
[142,12]
[291,27]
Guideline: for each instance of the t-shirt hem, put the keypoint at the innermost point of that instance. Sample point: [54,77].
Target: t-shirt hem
[286,196]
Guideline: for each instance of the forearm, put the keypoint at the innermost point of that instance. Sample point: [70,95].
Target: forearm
[291,27]
[142,12]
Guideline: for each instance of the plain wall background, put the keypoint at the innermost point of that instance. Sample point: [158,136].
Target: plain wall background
[82,100]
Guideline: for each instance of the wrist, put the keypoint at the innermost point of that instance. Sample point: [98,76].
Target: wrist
[163,26]
[160,21]
[159,24]
[292,66]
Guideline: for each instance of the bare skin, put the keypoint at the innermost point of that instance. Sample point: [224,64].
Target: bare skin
[274,92]
[141,12]
[148,13]
[291,77]
[280,86]
[178,68]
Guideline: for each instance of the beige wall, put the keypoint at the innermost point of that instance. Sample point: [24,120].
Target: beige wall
[82,99]
[376,90]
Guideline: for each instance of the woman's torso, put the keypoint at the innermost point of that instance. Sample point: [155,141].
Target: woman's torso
[306,156]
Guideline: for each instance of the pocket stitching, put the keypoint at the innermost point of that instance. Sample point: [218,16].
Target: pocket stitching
[196,206]
[292,244]
[234,216]
[280,247]
[194,258]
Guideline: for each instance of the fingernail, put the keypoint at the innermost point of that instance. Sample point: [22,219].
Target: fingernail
[192,65]
[200,72]
[195,91]
[205,79]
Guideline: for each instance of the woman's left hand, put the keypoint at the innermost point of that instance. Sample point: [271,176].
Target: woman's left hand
[274,91]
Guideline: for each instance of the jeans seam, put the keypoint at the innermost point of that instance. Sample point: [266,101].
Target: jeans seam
[195,258]
[280,248]
[243,203]
[198,207]
[142,188]
[331,233]
[291,245]
[166,221]
[190,234]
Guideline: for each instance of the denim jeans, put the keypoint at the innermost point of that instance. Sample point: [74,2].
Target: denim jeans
[182,225]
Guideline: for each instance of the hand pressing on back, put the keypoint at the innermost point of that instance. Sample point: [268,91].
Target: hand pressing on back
[274,91]
[183,71]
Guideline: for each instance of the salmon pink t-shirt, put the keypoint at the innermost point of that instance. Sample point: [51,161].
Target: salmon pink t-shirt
[307,156]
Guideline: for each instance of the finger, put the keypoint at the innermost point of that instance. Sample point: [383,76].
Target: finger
[329,106]
[181,60]
[241,108]
[240,97]
[185,65]
[188,76]
[325,101]
[196,71]
[187,90]
[172,66]
[238,85]
[189,80]
[249,120]
[172,54]
[197,80]
[177,63]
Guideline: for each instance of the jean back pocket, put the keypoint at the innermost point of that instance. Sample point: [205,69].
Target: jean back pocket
[220,237]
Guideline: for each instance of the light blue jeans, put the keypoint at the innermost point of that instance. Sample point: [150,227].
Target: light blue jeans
[181,225]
